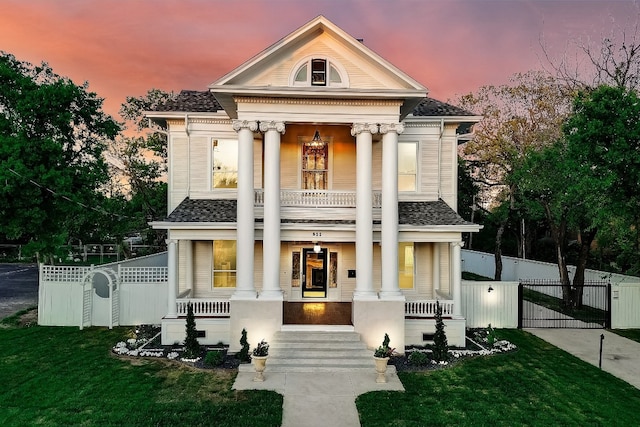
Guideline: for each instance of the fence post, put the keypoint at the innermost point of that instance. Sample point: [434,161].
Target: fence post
[520,305]
[608,312]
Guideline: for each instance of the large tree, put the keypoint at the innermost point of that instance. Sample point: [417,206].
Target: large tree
[519,117]
[52,137]
[138,165]
[587,182]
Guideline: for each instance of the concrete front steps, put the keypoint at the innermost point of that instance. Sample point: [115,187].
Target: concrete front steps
[318,351]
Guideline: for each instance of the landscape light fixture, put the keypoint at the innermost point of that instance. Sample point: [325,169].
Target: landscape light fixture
[490,289]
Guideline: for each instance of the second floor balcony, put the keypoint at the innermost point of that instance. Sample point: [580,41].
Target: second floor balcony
[317,198]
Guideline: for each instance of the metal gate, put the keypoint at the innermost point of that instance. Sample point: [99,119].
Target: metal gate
[541,305]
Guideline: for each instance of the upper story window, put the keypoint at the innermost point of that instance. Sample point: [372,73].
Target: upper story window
[407,166]
[319,72]
[225,163]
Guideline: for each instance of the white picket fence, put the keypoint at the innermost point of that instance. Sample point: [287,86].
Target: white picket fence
[127,293]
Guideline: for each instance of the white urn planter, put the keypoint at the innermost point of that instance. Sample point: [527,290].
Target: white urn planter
[381,369]
[259,364]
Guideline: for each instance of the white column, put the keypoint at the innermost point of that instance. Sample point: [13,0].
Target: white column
[271,235]
[364,211]
[245,288]
[172,263]
[389,236]
[436,266]
[456,277]
[188,268]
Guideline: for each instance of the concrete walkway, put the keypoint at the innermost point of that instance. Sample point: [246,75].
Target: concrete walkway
[318,399]
[620,356]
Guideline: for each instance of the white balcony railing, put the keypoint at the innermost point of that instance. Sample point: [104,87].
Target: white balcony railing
[427,308]
[317,198]
[204,307]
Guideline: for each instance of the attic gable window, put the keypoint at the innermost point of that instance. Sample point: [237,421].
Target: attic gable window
[319,72]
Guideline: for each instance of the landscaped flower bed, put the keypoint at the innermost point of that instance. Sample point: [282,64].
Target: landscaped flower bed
[480,342]
[145,342]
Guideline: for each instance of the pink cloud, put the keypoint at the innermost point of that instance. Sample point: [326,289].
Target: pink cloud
[452,47]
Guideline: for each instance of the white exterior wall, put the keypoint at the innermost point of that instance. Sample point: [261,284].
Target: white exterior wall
[625,300]
[498,307]
[415,328]
[483,263]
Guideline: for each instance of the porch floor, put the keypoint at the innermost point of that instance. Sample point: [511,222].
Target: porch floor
[317,313]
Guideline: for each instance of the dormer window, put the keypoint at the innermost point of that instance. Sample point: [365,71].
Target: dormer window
[319,72]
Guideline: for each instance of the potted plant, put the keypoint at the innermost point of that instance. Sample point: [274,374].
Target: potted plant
[259,356]
[381,356]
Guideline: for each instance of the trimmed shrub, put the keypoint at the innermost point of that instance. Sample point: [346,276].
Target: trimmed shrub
[192,347]
[214,358]
[243,354]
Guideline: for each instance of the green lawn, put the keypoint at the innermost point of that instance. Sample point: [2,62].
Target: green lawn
[632,334]
[55,376]
[539,385]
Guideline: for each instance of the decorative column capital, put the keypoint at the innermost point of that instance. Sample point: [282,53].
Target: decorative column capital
[171,242]
[358,128]
[272,125]
[245,124]
[457,244]
[391,127]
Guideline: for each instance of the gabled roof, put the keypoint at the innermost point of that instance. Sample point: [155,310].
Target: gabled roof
[432,213]
[312,29]
[262,76]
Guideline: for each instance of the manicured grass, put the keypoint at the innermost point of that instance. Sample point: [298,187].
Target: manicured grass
[467,275]
[539,385]
[632,334]
[54,376]
[585,313]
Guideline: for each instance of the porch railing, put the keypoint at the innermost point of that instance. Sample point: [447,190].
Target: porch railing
[204,307]
[317,198]
[427,308]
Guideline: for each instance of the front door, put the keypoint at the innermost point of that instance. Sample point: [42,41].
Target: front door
[314,273]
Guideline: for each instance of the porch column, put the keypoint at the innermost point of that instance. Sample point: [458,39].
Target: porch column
[271,235]
[436,267]
[245,288]
[364,211]
[188,268]
[456,277]
[172,264]
[389,236]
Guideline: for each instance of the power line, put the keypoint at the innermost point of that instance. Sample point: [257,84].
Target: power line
[55,193]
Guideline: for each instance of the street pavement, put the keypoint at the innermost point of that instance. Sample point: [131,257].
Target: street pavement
[18,288]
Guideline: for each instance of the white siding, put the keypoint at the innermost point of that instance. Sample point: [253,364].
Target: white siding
[178,172]
[498,307]
[625,300]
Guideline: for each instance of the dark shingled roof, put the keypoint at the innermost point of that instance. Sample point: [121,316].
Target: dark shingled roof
[428,213]
[192,101]
[433,107]
[224,210]
[204,210]
[205,102]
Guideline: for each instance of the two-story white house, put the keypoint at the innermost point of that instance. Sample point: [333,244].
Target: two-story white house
[315,183]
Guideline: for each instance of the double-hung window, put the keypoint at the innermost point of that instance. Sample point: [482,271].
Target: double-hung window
[407,166]
[225,163]
[224,263]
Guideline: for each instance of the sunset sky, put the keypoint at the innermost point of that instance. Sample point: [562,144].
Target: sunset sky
[451,46]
